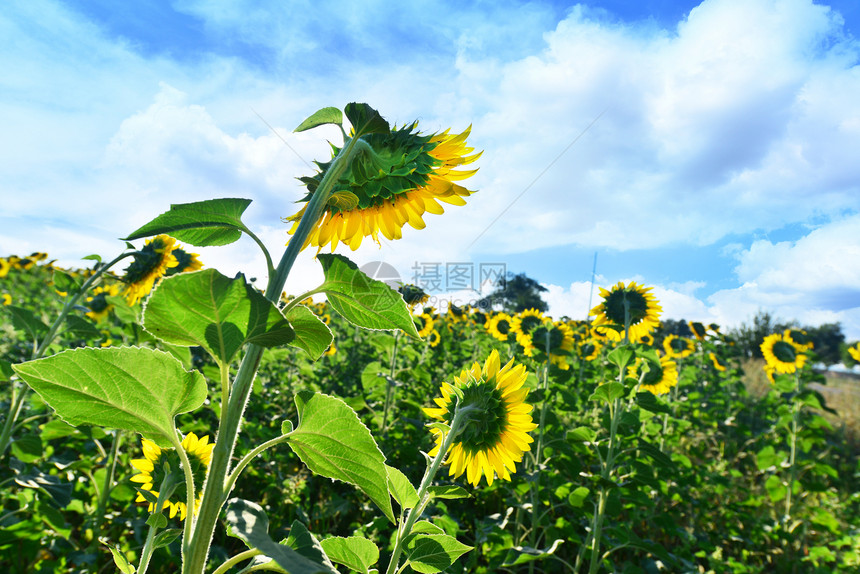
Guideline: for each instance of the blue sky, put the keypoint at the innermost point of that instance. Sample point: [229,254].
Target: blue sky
[706,149]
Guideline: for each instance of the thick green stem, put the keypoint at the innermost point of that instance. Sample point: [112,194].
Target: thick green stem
[215,492]
[423,495]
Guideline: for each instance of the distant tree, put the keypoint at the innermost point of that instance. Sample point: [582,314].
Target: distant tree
[827,340]
[516,293]
[749,337]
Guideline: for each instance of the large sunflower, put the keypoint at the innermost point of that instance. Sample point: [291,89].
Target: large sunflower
[150,264]
[660,378]
[151,469]
[495,435]
[405,175]
[781,355]
[644,311]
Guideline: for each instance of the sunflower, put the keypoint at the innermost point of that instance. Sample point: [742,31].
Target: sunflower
[98,304]
[331,350]
[152,474]
[660,378]
[424,323]
[698,330]
[557,339]
[495,435]
[5,266]
[678,347]
[413,295]
[403,175]
[644,311]
[499,326]
[780,355]
[522,325]
[6,299]
[434,338]
[799,339]
[184,262]
[150,265]
[718,362]
[590,349]
[854,351]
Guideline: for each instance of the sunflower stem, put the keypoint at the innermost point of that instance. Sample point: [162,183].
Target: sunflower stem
[231,479]
[242,556]
[423,496]
[108,483]
[165,491]
[389,389]
[189,486]
[215,492]
[535,484]
[793,442]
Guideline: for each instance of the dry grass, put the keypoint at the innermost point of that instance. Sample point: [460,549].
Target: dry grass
[841,392]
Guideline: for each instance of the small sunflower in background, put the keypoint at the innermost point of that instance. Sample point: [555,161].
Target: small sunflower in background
[152,474]
[780,355]
[495,434]
[660,377]
[149,265]
[678,347]
[401,176]
[590,349]
[433,338]
[423,323]
[644,312]
[854,352]
[558,338]
[413,295]
[5,266]
[647,339]
[719,363]
[5,299]
[331,350]
[522,325]
[699,331]
[499,325]
[98,303]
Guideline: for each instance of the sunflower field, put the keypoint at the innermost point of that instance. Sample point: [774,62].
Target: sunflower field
[158,416]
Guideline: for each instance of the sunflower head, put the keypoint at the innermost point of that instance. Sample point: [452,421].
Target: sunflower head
[149,265]
[556,338]
[718,362]
[780,355]
[494,435]
[499,325]
[5,266]
[854,351]
[153,471]
[5,299]
[98,303]
[657,377]
[799,338]
[678,347]
[184,262]
[698,330]
[590,349]
[396,176]
[413,295]
[433,338]
[630,305]
[423,323]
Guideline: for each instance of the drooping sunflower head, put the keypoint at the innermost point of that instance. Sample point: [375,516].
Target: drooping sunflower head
[780,355]
[98,303]
[185,261]
[632,305]
[394,180]
[413,295]
[499,326]
[718,362]
[699,330]
[678,347]
[149,265]
[659,377]
[152,471]
[495,434]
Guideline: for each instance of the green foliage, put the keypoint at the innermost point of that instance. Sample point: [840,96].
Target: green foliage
[202,223]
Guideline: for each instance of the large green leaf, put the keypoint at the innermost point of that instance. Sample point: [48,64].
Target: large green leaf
[215,312]
[202,223]
[332,442]
[312,335]
[355,552]
[127,388]
[401,489]
[363,301]
[248,522]
[430,553]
